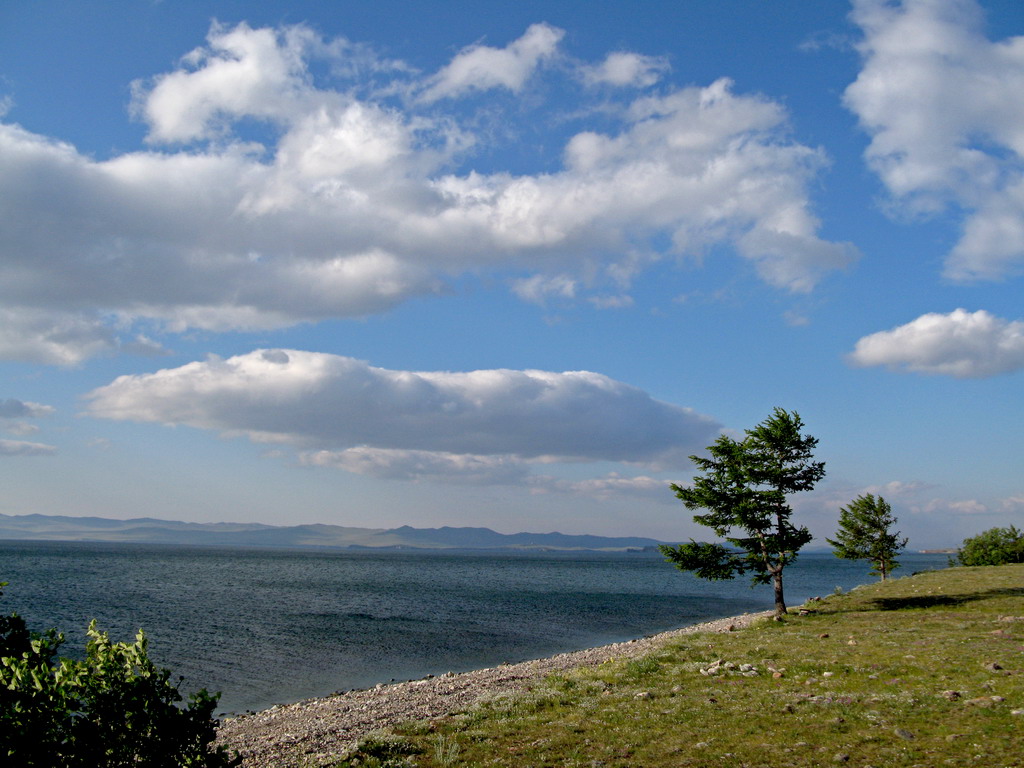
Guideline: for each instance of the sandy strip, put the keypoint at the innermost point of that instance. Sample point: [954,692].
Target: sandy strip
[301,733]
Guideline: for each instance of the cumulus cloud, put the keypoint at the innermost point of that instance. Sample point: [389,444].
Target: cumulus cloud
[478,426]
[481,67]
[18,409]
[396,464]
[364,197]
[23,448]
[942,105]
[611,485]
[961,344]
[958,507]
[623,68]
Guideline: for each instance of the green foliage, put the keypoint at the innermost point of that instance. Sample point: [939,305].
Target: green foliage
[996,546]
[865,534]
[111,710]
[744,486]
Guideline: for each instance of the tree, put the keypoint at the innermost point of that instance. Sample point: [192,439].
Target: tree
[113,709]
[996,546]
[744,485]
[864,534]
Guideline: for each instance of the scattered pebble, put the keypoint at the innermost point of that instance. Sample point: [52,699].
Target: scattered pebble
[284,736]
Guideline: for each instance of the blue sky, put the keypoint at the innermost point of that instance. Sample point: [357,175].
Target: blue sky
[508,264]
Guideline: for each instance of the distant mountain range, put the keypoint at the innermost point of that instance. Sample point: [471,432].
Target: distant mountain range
[152,531]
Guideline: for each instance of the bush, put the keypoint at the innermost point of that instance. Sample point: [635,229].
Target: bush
[996,546]
[113,709]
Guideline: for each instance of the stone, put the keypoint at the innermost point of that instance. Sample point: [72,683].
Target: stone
[982,701]
[904,734]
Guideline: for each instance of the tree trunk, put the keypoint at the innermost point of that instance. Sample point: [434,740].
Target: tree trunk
[780,602]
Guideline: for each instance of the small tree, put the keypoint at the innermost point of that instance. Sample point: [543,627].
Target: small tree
[865,534]
[996,546]
[744,485]
[113,709]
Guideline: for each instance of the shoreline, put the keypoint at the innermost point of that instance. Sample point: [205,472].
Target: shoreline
[307,731]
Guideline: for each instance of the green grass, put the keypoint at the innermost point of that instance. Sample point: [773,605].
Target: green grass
[921,671]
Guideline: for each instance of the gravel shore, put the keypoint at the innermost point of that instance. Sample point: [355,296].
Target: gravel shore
[310,732]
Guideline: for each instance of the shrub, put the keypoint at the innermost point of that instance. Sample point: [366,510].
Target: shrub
[115,708]
[996,546]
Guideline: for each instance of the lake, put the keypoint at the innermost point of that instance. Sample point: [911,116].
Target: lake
[275,626]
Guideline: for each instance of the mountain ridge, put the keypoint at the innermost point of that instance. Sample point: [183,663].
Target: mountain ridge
[148,530]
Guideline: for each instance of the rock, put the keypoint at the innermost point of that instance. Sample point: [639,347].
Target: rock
[777,674]
[1017,711]
[993,666]
[982,701]
[644,695]
[841,757]
[951,695]
[904,734]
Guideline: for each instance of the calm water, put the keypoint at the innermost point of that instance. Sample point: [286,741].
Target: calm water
[274,626]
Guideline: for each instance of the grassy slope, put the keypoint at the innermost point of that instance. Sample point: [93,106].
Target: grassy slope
[920,671]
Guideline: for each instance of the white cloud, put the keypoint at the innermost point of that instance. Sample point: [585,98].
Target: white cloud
[360,201]
[622,68]
[22,448]
[243,72]
[481,67]
[896,489]
[396,464]
[539,288]
[942,105]
[1013,504]
[960,507]
[621,301]
[474,426]
[961,344]
[611,485]
[19,409]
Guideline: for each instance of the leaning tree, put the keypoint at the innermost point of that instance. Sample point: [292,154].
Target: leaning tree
[744,485]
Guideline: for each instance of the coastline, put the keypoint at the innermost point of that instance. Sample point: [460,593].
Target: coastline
[307,731]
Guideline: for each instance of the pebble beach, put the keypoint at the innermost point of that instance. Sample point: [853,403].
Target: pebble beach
[316,730]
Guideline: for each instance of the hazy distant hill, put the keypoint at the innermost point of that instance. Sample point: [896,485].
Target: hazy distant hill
[150,530]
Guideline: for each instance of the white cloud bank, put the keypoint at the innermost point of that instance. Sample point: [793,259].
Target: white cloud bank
[363,193]
[961,344]
[476,427]
[943,106]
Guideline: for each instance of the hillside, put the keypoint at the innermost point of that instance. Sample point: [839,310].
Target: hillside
[152,531]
